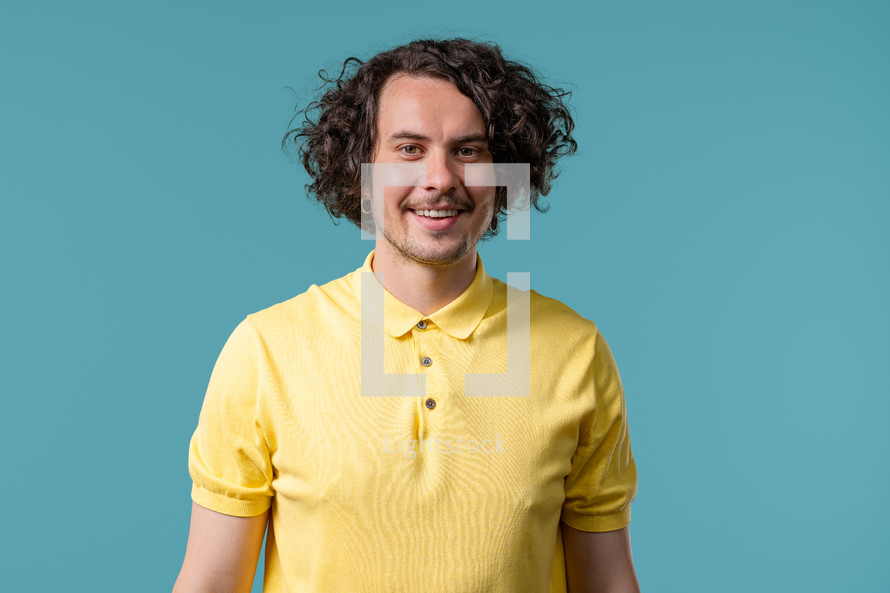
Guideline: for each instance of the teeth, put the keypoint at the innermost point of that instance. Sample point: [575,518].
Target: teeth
[436,213]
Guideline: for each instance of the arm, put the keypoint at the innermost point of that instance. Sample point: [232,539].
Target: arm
[222,552]
[599,562]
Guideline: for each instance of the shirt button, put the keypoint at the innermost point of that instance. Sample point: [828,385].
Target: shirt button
[430,403]
[422,324]
[426,361]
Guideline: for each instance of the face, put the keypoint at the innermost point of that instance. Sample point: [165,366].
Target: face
[429,121]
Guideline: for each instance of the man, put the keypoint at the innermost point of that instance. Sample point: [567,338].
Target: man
[434,488]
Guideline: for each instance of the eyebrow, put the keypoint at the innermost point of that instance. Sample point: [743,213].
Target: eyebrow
[409,135]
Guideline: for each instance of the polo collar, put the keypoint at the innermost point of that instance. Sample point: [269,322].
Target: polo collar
[458,318]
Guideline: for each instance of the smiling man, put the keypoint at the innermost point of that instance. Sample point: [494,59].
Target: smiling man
[427,252]
[432,488]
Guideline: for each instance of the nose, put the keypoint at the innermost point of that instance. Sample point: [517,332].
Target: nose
[442,173]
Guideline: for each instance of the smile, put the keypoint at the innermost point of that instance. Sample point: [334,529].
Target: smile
[436,220]
[437,213]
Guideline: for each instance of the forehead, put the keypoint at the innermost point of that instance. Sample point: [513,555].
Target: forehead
[426,105]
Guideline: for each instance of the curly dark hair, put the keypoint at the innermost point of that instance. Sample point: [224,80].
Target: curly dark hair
[526,121]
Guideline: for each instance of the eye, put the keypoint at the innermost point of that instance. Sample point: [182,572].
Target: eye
[467,151]
[410,149]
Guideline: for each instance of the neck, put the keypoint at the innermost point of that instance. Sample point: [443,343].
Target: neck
[423,287]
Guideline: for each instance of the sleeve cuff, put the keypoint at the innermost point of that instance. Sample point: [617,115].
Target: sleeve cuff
[610,522]
[229,506]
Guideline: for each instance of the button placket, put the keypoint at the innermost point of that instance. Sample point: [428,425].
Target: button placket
[428,402]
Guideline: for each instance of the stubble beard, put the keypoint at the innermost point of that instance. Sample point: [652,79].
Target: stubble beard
[412,250]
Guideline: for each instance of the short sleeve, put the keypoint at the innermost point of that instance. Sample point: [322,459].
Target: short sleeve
[602,481]
[228,458]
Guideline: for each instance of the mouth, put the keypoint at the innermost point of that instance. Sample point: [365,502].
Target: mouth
[438,214]
[437,220]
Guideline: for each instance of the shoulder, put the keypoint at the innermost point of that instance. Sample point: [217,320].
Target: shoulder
[550,317]
[556,312]
[324,301]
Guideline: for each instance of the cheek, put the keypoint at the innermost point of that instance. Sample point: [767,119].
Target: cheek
[483,197]
[395,197]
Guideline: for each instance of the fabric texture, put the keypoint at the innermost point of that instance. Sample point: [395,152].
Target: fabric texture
[430,488]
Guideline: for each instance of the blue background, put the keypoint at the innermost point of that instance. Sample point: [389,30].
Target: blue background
[724,224]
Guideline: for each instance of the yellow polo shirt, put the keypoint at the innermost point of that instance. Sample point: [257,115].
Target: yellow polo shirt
[439,491]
